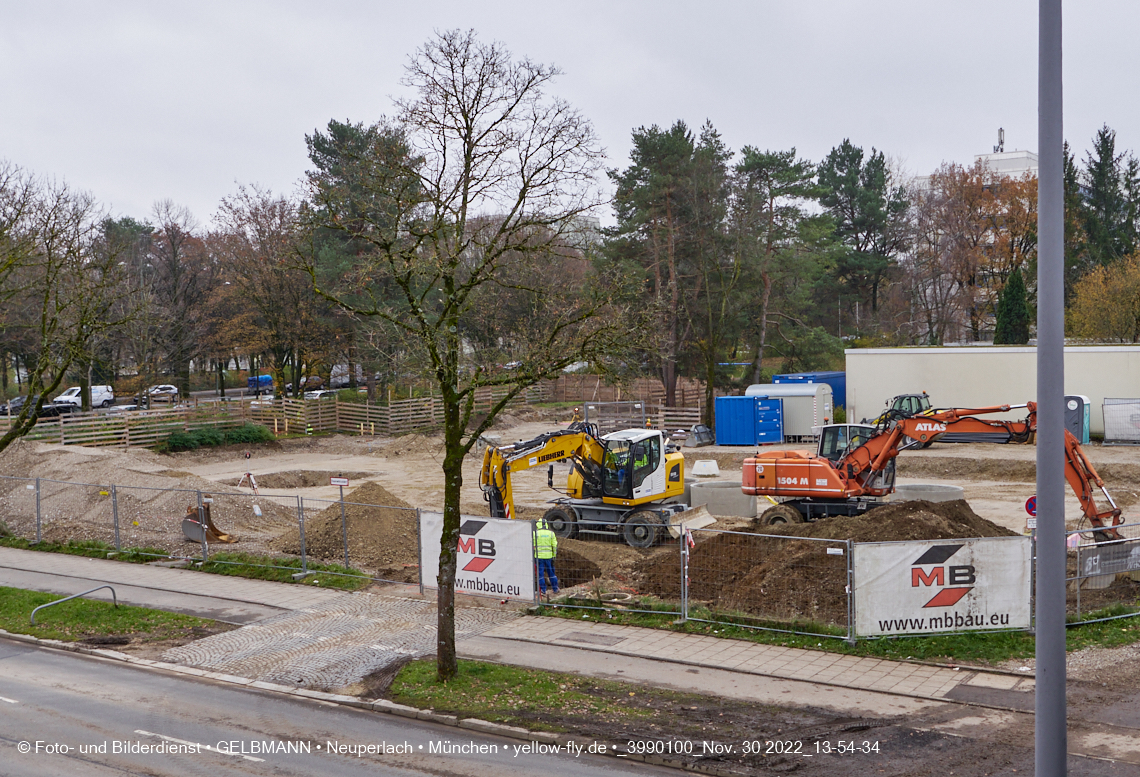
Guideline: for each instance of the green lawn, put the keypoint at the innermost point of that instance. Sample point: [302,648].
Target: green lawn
[81,619]
[221,563]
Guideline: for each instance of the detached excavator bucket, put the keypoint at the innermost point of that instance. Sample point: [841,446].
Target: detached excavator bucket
[696,518]
[192,528]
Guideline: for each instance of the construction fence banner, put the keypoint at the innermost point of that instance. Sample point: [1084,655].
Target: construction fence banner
[942,585]
[496,556]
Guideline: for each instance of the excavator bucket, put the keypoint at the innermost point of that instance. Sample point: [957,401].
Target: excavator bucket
[192,528]
[696,518]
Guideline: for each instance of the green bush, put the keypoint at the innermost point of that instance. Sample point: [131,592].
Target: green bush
[840,414]
[181,441]
[249,433]
[211,436]
[4,530]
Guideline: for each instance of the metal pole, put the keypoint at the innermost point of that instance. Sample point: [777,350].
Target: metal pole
[115,516]
[202,527]
[39,527]
[344,527]
[419,539]
[684,577]
[1051,746]
[301,527]
[851,592]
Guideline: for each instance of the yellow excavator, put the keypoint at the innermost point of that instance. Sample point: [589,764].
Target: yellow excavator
[630,483]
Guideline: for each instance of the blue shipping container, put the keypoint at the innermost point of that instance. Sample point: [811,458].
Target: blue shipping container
[837,381]
[749,421]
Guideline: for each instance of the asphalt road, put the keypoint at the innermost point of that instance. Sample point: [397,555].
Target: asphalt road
[71,713]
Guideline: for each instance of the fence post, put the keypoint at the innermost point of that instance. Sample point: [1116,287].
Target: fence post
[1078,575]
[301,527]
[39,531]
[344,527]
[202,527]
[850,592]
[420,550]
[115,515]
[684,574]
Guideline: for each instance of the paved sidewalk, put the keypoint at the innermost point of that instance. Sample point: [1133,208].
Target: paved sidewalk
[311,629]
[281,596]
[816,666]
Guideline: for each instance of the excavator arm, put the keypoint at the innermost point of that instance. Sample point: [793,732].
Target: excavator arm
[859,465]
[579,442]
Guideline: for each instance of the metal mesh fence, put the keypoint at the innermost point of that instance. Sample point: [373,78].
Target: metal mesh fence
[380,540]
[1121,421]
[1102,577]
[769,581]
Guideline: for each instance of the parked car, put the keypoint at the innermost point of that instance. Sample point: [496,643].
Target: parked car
[321,393]
[165,390]
[49,410]
[101,396]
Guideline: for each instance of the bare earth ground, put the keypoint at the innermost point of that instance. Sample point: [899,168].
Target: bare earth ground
[1104,684]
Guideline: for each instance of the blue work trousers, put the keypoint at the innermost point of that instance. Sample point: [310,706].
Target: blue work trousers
[546,570]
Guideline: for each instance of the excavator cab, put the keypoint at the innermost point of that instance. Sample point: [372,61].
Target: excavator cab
[836,440]
[630,464]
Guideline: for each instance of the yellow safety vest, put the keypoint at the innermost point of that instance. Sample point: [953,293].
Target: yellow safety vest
[545,543]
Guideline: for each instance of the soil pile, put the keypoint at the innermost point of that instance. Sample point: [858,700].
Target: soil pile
[573,568]
[780,577]
[304,478]
[381,537]
[414,445]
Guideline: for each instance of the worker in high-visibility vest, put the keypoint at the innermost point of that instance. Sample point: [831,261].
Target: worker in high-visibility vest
[545,549]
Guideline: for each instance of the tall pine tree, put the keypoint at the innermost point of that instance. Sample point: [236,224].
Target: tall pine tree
[1012,312]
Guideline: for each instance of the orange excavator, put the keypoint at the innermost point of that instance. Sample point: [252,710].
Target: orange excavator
[854,466]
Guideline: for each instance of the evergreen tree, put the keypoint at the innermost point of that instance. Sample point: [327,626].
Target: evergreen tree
[1012,312]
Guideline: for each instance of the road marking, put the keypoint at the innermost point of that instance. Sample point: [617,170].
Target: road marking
[10,701]
[197,744]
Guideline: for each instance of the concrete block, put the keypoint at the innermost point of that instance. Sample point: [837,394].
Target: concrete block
[929,492]
[402,710]
[723,497]
[705,468]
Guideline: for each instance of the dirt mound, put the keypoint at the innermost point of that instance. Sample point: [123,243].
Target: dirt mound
[783,578]
[381,537]
[573,568]
[916,520]
[304,478]
[414,445]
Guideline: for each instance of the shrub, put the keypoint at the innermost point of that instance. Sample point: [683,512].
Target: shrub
[208,436]
[4,530]
[211,436]
[181,441]
[249,433]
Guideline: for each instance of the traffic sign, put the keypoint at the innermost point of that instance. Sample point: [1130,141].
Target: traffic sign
[1031,505]
[338,481]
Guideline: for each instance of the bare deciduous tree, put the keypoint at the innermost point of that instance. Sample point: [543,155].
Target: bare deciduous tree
[476,185]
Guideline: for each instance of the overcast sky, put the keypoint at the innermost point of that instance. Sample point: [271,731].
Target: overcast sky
[141,101]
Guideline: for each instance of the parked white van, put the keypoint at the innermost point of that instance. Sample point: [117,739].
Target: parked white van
[101,396]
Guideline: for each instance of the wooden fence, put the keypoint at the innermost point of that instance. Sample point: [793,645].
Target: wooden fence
[148,428]
[591,388]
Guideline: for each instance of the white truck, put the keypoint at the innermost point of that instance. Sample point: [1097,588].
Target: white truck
[101,396]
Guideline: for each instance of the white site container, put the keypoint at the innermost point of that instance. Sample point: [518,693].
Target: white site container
[806,405]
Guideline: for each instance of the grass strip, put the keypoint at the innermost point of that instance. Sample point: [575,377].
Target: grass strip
[987,649]
[247,565]
[83,618]
[518,697]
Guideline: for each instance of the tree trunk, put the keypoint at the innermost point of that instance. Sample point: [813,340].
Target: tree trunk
[447,665]
[758,358]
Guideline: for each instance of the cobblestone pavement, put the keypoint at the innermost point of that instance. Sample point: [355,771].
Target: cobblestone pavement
[333,644]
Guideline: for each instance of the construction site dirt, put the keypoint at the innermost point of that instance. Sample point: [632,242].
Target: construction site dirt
[406,471]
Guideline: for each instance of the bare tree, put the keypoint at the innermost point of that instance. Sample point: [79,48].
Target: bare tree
[476,185]
[60,289]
